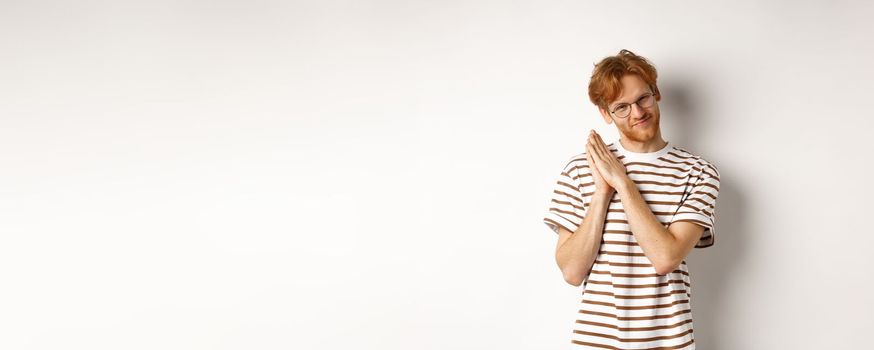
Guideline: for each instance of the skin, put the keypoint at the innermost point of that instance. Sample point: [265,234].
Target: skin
[666,248]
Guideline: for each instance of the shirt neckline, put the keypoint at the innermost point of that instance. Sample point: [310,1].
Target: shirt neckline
[647,156]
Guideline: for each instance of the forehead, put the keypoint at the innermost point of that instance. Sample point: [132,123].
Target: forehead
[632,87]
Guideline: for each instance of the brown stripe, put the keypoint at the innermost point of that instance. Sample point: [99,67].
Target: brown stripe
[634,340]
[583,161]
[558,193]
[644,307]
[636,318]
[707,184]
[654,174]
[700,176]
[691,174]
[650,182]
[618,231]
[705,173]
[647,296]
[554,210]
[682,150]
[557,224]
[699,222]
[615,285]
[620,221]
[622,264]
[659,192]
[699,200]
[654,202]
[583,207]
[617,200]
[627,233]
[634,329]
[691,169]
[710,167]
[694,208]
[687,179]
[679,156]
[658,166]
[607,252]
[684,184]
[613,263]
[622,211]
[574,341]
[569,186]
[681,346]
[628,275]
[622,232]
[632,275]
[699,159]
[632,244]
[676,162]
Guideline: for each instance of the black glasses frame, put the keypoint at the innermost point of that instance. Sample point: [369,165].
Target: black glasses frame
[642,97]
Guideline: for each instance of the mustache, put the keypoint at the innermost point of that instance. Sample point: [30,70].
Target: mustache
[645,117]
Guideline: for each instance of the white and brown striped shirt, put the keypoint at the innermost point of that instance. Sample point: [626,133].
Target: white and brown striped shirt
[625,304]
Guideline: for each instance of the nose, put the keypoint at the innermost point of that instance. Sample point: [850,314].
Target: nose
[636,111]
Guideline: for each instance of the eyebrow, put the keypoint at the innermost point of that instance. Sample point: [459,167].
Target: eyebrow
[635,99]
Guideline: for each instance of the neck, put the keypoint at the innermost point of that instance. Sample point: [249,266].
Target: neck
[652,145]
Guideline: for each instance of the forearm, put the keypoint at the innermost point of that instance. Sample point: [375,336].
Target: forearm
[653,238]
[577,255]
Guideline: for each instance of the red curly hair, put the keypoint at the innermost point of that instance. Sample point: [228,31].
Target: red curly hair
[605,86]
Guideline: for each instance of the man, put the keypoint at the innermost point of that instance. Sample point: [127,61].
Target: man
[627,214]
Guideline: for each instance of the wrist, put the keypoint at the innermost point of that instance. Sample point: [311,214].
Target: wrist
[605,194]
[625,185]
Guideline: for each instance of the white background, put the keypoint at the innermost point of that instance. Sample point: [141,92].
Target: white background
[373,174]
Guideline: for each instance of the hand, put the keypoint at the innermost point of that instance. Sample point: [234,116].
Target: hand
[601,186]
[608,167]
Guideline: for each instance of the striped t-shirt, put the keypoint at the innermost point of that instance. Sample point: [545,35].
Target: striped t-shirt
[625,304]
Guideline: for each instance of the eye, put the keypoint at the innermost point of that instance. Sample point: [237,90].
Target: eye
[621,108]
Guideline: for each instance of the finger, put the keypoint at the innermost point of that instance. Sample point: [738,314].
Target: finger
[591,141]
[596,158]
[597,148]
[597,138]
[590,160]
[593,169]
[607,154]
[590,152]
[590,144]
[600,143]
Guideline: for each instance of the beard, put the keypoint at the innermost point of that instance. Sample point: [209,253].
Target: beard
[642,135]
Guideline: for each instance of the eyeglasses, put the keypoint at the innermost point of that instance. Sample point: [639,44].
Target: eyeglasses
[624,109]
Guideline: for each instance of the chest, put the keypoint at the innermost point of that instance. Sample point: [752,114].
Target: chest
[664,188]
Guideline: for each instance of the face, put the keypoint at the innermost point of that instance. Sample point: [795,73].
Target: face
[642,124]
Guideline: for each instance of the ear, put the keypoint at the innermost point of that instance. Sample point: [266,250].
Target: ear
[658,94]
[605,115]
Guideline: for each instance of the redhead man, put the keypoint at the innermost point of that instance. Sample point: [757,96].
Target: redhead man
[627,214]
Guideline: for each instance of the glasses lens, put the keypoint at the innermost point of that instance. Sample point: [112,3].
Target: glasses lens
[622,111]
[646,101]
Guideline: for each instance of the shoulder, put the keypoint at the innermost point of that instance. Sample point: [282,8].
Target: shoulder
[577,166]
[699,163]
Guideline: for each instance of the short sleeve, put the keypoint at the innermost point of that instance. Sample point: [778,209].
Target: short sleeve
[566,206]
[699,206]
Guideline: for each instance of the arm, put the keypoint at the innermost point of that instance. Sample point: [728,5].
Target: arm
[666,248]
[576,252]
